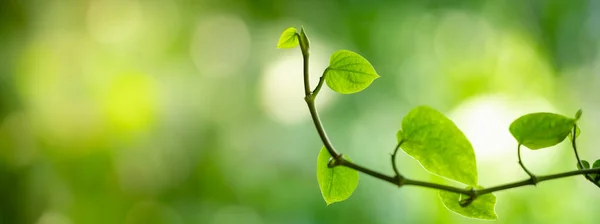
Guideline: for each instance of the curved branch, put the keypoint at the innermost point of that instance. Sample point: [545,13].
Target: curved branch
[401,181]
[574,145]
[532,178]
[398,175]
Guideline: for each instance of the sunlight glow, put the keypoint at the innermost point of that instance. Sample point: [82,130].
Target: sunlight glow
[485,121]
[282,90]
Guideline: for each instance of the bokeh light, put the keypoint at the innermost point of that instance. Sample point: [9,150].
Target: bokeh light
[157,111]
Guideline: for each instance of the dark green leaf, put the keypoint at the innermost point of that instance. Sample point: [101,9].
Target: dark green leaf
[337,183]
[541,130]
[586,165]
[578,114]
[348,72]
[435,141]
[483,207]
[594,177]
[288,39]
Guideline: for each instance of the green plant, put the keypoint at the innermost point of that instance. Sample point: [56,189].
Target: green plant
[430,138]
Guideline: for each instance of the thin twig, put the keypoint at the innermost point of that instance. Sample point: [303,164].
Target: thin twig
[532,178]
[394,160]
[574,145]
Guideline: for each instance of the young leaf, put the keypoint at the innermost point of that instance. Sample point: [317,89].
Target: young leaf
[436,142]
[578,114]
[337,183]
[304,42]
[288,39]
[596,164]
[483,207]
[348,72]
[541,130]
[577,132]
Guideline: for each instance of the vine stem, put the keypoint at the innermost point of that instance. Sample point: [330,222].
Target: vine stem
[532,178]
[398,179]
[396,172]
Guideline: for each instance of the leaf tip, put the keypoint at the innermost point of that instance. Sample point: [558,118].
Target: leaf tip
[578,114]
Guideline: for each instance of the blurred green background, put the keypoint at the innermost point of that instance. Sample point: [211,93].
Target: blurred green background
[157,111]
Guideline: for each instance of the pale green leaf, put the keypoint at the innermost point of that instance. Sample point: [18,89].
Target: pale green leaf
[541,130]
[288,39]
[399,135]
[348,72]
[337,183]
[435,141]
[483,207]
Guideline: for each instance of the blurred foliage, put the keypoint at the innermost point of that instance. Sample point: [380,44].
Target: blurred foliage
[184,111]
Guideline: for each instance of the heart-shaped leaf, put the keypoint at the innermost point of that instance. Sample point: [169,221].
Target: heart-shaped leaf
[541,130]
[288,39]
[348,72]
[435,141]
[483,207]
[337,183]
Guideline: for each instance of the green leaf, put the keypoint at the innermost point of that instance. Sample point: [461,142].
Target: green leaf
[594,177]
[288,39]
[337,183]
[400,136]
[541,130]
[596,164]
[348,72]
[483,207]
[586,164]
[577,132]
[435,141]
